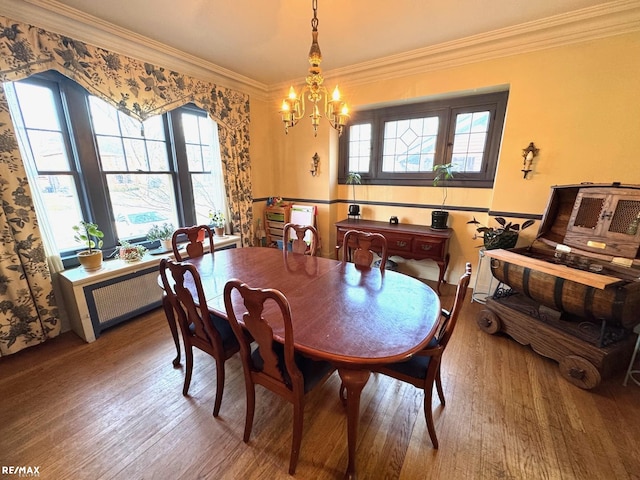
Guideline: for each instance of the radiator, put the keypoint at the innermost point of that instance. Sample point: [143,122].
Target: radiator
[119,299]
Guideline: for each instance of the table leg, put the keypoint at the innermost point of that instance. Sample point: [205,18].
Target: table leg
[171,320]
[354,381]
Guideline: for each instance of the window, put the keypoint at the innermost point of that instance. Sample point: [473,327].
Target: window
[400,145]
[93,162]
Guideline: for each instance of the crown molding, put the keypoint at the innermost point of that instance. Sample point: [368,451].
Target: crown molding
[64,20]
[592,23]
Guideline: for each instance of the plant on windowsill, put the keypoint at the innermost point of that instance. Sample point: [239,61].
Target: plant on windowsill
[504,236]
[444,173]
[217,220]
[90,236]
[353,179]
[130,253]
[162,233]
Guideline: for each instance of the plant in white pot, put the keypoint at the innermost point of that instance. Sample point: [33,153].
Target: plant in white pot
[217,220]
[161,233]
[444,173]
[89,235]
[353,179]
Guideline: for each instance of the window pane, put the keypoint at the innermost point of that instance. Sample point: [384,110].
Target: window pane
[194,156]
[104,117]
[38,106]
[129,126]
[139,200]
[470,141]
[207,195]
[191,128]
[359,147]
[111,154]
[60,199]
[409,145]
[154,128]
[49,151]
[136,155]
[158,158]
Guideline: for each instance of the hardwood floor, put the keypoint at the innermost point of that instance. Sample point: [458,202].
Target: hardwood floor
[113,409]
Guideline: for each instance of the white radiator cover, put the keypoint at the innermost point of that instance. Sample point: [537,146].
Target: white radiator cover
[95,301]
[112,302]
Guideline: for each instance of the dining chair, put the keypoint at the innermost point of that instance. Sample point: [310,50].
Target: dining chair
[298,244]
[200,329]
[357,248]
[423,368]
[196,236]
[274,365]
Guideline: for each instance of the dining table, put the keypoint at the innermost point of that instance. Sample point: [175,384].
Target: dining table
[353,317]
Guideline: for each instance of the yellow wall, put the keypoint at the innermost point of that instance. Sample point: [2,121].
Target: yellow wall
[580,104]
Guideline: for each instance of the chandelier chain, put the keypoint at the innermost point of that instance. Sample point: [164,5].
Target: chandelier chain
[314,20]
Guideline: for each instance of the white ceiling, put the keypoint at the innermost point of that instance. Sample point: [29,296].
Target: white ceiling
[268,40]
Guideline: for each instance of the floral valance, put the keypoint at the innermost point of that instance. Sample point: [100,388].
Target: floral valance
[135,87]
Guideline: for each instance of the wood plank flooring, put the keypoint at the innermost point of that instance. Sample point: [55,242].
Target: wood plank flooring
[113,409]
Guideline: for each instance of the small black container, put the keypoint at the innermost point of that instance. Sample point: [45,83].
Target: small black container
[439,219]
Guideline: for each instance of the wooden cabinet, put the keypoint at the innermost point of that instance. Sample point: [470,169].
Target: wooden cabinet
[418,242]
[275,218]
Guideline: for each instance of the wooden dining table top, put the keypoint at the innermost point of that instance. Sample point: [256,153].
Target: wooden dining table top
[350,316]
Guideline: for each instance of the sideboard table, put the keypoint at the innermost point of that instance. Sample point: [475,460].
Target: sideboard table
[417,242]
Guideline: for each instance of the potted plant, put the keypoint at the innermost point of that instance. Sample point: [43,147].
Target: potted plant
[444,172]
[89,235]
[130,253]
[162,233]
[354,178]
[504,236]
[217,220]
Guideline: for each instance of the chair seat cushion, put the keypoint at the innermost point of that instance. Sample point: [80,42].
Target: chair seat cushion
[229,340]
[416,366]
[313,371]
[390,265]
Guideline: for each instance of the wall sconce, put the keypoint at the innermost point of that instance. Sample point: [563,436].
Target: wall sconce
[528,154]
[315,160]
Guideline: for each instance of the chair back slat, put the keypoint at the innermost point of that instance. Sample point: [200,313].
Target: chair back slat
[358,247]
[196,237]
[258,324]
[298,244]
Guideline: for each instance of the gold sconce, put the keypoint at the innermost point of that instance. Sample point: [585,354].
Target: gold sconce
[315,160]
[528,155]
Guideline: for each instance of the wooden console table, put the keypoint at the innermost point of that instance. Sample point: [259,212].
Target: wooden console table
[417,242]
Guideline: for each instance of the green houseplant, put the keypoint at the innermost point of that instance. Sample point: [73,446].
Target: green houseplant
[353,179]
[217,220]
[504,236]
[162,233]
[90,236]
[444,173]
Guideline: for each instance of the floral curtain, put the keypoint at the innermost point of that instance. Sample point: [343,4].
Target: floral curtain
[28,314]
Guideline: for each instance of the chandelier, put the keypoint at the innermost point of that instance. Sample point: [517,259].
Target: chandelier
[294,106]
